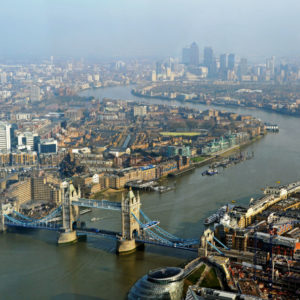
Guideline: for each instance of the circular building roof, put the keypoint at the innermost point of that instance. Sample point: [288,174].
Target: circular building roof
[166,275]
[165,283]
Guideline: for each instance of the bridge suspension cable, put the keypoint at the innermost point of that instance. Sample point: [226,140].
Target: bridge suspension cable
[44,219]
[161,236]
[42,225]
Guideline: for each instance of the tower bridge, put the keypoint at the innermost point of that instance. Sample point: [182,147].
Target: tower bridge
[137,228]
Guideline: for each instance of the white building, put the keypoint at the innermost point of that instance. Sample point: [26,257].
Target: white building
[95,178]
[3,78]
[139,110]
[27,139]
[5,136]
[153,76]
[35,93]
[23,116]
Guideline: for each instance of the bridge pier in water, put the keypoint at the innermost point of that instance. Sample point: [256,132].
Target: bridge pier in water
[130,227]
[67,237]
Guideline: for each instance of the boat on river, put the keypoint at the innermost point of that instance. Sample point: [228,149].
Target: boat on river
[95,219]
[210,172]
[163,189]
[85,211]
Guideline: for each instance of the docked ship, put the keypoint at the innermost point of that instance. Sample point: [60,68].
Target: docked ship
[272,127]
[216,216]
[210,172]
[211,219]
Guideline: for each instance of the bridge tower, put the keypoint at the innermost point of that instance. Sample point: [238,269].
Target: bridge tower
[206,240]
[67,234]
[130,226]
[2,221]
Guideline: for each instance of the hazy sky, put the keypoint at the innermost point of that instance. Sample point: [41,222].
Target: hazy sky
[125,28]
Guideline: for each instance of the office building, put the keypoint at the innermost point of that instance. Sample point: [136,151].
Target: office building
[159,68]
[223,62]
[74,114]
[270,66]
[208,56]
[190,55]
[139,110]
[48,146]
[153,76]
[186,56]
[166,283]
[178,150]
[210,61]
[223,66]
[3,78]
[35,93]
[5,136]
[231,61]
[28,140]
[243,67]
[194,54]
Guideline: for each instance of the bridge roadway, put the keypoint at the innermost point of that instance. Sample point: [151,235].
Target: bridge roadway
[113,235]
[102,204]
[47,226]
[117,235]
[150,241]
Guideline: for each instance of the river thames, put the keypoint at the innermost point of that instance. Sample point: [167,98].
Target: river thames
[34,267]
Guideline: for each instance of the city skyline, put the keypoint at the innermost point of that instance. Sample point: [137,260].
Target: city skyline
[134,28]
[157,142]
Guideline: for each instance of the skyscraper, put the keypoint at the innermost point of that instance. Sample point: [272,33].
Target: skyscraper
[223,66]
[223,62]
[153,75]
[186,56]
[270,66]
[210,61]
[208,57]
[159,68]
[190,55]
[243,67]
[231,61]
[194,54]
[5,138]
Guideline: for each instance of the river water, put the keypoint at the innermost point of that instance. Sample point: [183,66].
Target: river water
[32,266]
